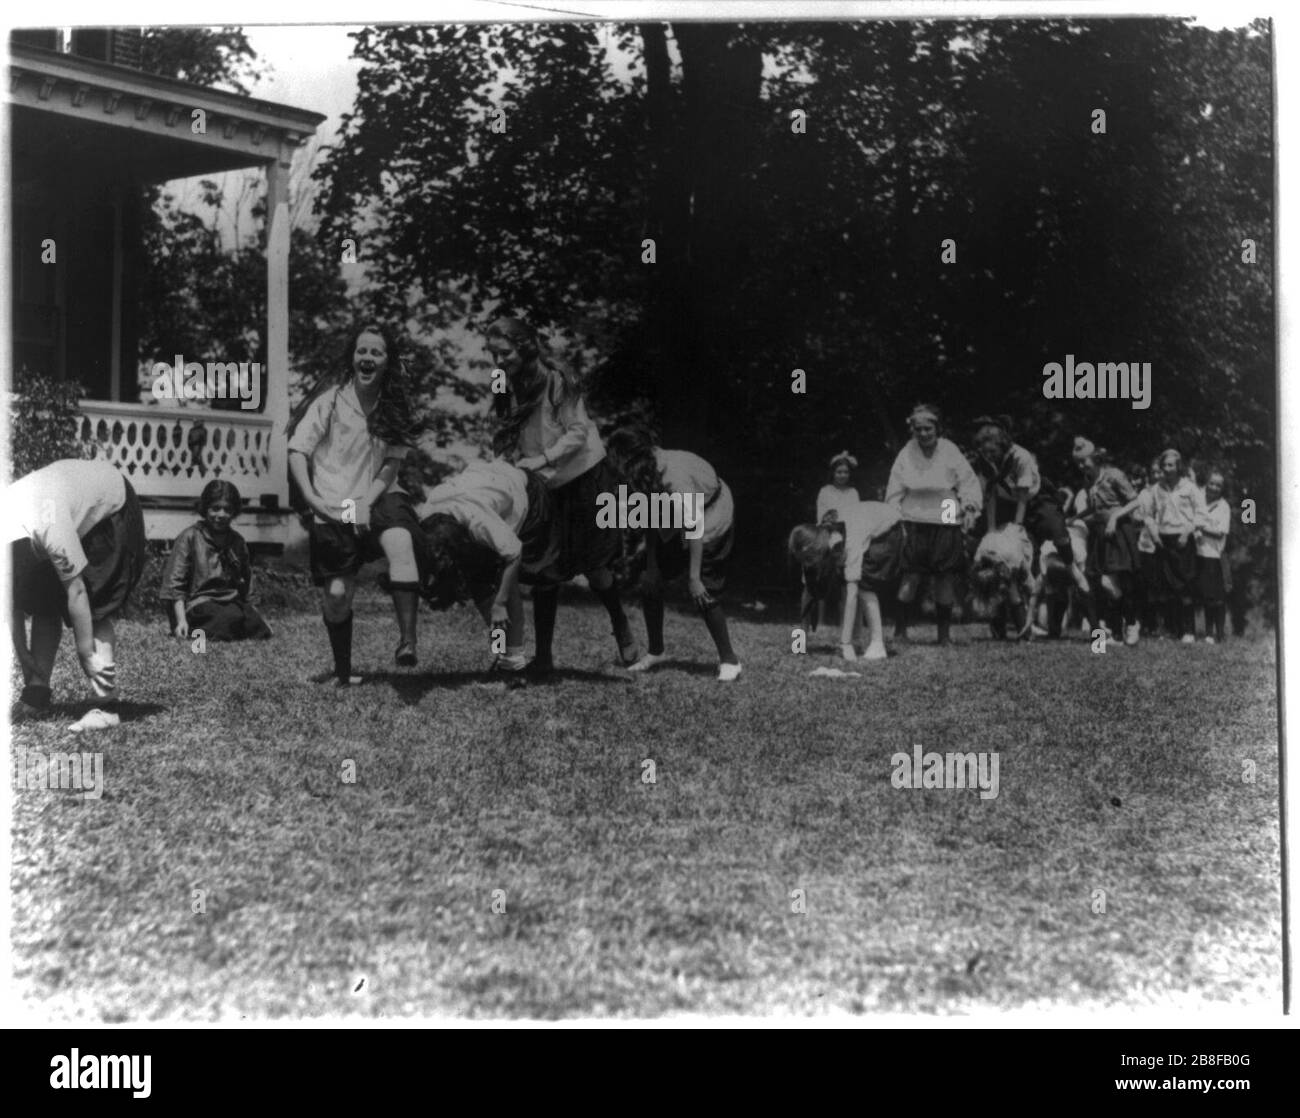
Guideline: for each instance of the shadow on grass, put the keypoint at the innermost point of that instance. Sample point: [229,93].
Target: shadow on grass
[411,687]
[129,710]
[683,667]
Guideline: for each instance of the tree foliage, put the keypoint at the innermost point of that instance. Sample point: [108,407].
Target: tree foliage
[820,250]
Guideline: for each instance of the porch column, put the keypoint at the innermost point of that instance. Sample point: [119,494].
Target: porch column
[277,320]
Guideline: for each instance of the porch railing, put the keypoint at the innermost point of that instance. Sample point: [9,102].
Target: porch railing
[174,452]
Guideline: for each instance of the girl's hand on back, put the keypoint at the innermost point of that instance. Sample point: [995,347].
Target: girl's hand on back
[361,516]
[533,462]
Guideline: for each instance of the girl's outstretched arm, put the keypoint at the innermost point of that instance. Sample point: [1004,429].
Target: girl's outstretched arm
[508,589]
[1113,520]
[300,474]
[700,595]
[383,480]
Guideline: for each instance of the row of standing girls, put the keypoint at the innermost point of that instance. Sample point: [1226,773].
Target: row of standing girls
[1129,555]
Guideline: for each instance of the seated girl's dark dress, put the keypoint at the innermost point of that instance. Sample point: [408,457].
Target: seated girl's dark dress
[213,580]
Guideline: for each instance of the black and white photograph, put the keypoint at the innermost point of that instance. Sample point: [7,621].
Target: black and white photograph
[660,513]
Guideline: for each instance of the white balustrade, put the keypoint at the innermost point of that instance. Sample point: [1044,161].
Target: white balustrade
[174,452]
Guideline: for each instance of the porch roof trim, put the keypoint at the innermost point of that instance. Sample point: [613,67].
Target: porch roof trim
[64,83]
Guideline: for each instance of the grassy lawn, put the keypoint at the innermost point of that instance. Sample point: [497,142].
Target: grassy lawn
[1120,772]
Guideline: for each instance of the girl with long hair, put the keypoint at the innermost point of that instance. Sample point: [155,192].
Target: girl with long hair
[347,440]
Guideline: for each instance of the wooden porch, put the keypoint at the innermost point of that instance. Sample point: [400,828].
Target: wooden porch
[87,136]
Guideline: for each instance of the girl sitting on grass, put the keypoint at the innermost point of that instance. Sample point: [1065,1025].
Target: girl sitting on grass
[206,580]
[76,550]
[346,442]
[487,528]
[669,552]
[866,557]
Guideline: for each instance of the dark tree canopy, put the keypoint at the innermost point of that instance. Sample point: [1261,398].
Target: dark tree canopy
[820,250]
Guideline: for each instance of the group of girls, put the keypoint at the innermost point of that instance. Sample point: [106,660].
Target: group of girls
[1128,551]
[529,516]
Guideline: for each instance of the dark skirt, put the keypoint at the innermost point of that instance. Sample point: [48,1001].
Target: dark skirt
[1177,567]
[933,549]
[337,551]
[673,559]
[579,543]
[1149,568]
[883,562]
[227,621]
[540,542]
[1209,580]
[1112,555]
[115,551]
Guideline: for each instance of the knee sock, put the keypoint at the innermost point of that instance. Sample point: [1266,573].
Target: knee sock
[807,612]
[340,633]
[1089,603]
[1128,609]
[716,621]
[1114,616]
[1220,613]
[944,616]
[1056,611]
[900,618]
[406,601]
[1189,618]
[654,623]
[1018,613]
[37,695]
[1150,616]
[613,603]
[546,604]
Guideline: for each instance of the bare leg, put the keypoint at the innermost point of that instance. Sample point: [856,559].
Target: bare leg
[105,638]
[875,627]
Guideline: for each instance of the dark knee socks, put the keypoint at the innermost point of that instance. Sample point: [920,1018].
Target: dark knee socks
[653,608]
[716,621]
[944,616]
[340,633]
[406,601]
[546,604]
[900,618]
[1216,615]
[613,603]
[1019,613]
